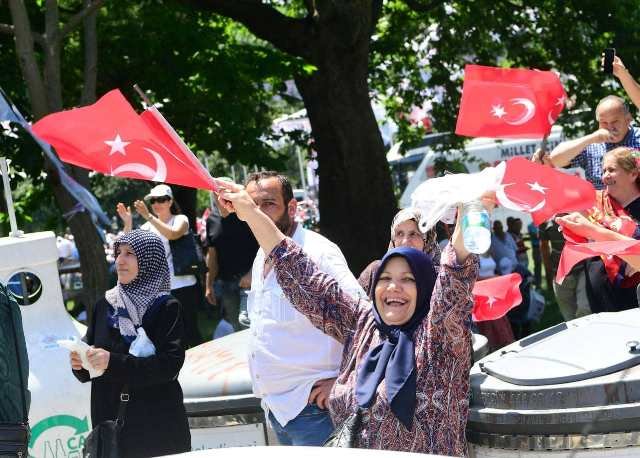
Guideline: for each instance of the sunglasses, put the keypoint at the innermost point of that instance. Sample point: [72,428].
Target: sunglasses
[159,200]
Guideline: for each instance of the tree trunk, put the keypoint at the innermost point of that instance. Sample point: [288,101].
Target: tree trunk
[356,195]
[93,263]
[46,97]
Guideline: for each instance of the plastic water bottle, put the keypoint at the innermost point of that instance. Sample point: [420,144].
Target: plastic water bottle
[476,228]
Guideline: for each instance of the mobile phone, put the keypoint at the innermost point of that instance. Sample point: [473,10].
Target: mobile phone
[607,64]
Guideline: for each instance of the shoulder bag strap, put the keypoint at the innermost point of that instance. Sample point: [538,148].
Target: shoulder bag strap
[15,343]
[122,408]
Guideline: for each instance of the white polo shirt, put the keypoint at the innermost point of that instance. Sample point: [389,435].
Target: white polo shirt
[287,354]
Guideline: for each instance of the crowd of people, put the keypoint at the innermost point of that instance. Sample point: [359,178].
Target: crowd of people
[385,356]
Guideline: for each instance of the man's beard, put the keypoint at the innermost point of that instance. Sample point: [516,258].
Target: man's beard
[284,223]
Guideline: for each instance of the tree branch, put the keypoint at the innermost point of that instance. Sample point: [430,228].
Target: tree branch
[75,20]
[288,34]
[26,58]
[90,45]
[8,29]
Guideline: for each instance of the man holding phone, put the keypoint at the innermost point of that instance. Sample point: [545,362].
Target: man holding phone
[614,119]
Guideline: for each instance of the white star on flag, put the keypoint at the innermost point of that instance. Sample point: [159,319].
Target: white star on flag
[498,111]
[117,145]
[560,100]
[535,186]
[491,300]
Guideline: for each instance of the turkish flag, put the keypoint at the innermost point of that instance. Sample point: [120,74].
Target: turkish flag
[574,253]
[542,190]
[111,138]
[509,102]
[494,297]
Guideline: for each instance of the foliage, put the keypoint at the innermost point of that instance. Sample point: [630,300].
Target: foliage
[221,87]
[212,80]
[419,52]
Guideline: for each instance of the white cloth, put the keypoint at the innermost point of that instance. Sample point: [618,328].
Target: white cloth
[180,281]
[434,197]
[287,354]
[142,346]
[81,347]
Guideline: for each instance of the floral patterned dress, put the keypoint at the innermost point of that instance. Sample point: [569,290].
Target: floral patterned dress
[442,345]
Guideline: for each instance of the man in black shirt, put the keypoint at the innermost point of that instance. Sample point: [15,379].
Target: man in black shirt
[230,253]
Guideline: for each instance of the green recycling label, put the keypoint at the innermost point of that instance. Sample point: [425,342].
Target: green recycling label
[59,436]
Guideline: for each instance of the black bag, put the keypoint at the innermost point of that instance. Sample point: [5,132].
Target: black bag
[14,437]
[104,440]
[187,255]
[345,435]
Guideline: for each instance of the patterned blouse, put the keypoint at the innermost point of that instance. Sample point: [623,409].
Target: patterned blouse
[442,345]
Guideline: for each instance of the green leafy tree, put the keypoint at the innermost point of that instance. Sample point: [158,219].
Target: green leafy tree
[40,32]
[406,53]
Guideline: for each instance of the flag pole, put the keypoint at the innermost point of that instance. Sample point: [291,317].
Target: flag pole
[143,96]
[543,144]
[7,195]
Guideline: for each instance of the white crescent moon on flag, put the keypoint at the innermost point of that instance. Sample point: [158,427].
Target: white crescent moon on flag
[506,202]
[551,119]
[159,174]
[530,111]
[161,167]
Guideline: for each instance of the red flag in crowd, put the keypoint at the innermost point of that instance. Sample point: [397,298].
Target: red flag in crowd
[574,253]
[509,102]
[111,138]
[542,191]
[494,297]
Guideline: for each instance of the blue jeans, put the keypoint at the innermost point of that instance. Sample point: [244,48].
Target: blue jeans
[312,426]
[229,296]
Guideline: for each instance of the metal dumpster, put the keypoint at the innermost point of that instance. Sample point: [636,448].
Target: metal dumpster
[571,390]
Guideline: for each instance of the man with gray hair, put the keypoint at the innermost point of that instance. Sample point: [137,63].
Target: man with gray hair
[615,129]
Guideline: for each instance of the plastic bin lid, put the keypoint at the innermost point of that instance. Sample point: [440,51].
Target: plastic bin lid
[585,348]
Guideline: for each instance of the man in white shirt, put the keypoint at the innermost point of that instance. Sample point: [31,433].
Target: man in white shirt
[293,365]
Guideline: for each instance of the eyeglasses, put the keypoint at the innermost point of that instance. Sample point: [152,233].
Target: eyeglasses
[159,200]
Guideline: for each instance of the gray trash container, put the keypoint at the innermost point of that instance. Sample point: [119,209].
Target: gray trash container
[218,397]
[574,387]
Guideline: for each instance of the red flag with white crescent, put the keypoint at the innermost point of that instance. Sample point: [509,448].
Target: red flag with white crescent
[494,297]
[542,191]
[111,138]
[572,254]
[509,102]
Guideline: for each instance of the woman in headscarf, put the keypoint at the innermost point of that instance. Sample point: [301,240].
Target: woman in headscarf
[404,232]
[405,369]
[136,337]
[167,221]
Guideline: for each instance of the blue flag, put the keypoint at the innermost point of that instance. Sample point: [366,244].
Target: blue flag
[8,112]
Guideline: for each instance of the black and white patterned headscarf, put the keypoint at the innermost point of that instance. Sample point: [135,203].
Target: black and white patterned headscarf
[131,301]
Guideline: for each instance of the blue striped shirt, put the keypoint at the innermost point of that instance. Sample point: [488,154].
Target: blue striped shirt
[590,159]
